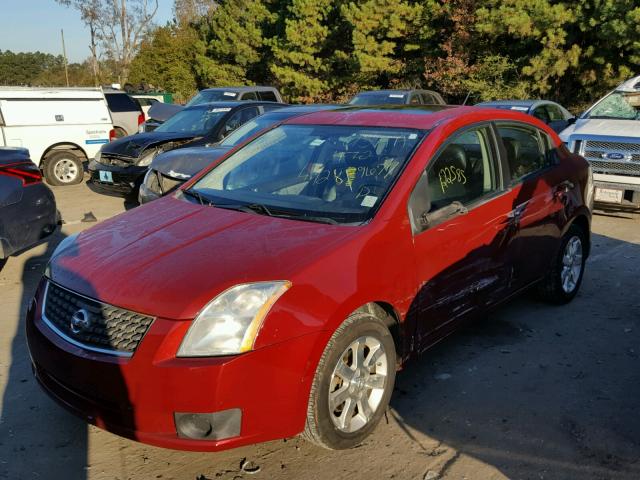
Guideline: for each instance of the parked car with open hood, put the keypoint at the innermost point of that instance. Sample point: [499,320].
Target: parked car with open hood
[551,113]
[608,136]
[159,113]
[28,212]
[278,292]
[171,169]
[120,167]
[398,97]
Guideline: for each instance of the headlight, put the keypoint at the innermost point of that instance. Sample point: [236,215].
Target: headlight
[146,159]
[230,323]
[98,156]
[65,244]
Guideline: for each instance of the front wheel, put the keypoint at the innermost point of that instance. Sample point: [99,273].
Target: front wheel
[63,168]
[353,383]
[562,282]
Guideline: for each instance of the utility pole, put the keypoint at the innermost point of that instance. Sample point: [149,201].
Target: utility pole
[64,54]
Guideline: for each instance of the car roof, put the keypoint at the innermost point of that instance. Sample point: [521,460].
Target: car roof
[519,103]
[237,89]
[229,105]
[422,117]
[373,92]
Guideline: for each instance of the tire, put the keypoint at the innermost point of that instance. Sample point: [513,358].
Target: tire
[562,282]
[63,168]
[323,426]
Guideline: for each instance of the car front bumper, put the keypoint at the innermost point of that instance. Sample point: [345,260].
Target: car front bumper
[138,397]
[125,180]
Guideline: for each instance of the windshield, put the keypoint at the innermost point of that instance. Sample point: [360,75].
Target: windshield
[196,121]
[339,173]
[618,105]
[249,129]
[209,96]
[378,98]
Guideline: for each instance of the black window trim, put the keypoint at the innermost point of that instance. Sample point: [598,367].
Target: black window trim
[496,159]
[505,163]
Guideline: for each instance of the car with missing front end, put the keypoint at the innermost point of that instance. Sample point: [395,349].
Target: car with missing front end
[278,292]
[120,166]
[28,213]
[171,169]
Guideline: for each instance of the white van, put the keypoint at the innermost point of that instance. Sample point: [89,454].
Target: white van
[61,127]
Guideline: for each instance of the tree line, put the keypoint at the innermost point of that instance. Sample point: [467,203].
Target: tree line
[326,50]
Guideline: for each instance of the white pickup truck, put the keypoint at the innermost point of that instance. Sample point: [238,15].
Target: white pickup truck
[608,136]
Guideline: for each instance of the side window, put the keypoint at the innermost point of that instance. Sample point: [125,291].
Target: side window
[239,118]
[464,171]
[541,114]
[249,96]
[268,96]
[121,102]
[555,113]
[526,152]
[416,99]
[428,99]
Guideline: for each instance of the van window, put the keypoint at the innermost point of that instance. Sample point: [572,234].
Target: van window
[121,102]
[268,96]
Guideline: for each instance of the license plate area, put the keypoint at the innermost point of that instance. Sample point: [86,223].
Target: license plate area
[106,177]
[608,195]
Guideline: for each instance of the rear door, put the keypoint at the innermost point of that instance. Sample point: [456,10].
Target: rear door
[460,260]
[536,190]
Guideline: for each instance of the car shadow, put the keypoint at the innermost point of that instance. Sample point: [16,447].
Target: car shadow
[540,391]
[29,421]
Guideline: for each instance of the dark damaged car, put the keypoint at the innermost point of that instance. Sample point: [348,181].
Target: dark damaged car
[28,213]
[171,169]
[120,166]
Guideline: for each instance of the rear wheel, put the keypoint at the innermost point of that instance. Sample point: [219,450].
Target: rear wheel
[353,383]
[564,278]
[63,168]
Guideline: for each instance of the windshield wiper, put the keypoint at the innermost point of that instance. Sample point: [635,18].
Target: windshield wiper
[198,196]
[264,210]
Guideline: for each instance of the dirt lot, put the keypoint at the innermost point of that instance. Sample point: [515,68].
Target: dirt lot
[531,392]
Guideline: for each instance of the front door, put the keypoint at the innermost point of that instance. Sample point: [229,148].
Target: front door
[460,257]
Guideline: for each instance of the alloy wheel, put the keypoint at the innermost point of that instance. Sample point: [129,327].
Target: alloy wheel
[571,264]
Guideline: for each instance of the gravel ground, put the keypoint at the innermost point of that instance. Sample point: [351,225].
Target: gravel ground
[530,392]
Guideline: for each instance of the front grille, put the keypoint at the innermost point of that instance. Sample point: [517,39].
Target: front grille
[620,168]
[115,161]
[107,329]
[612,146]
[597,151]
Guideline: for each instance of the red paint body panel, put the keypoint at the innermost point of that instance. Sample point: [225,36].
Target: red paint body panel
[169,258]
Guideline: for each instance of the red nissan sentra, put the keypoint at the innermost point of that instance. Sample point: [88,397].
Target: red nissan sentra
[280,290]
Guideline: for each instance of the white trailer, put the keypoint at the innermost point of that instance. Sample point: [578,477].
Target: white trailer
[61,127]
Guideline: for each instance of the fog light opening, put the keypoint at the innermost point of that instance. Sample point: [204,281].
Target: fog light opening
[209,426]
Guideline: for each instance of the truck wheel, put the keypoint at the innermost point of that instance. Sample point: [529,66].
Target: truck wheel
[563,280]
[352,384]
[63,168]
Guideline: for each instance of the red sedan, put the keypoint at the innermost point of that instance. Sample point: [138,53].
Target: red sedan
[280,290]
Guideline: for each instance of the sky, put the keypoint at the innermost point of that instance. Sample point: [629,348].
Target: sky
[32,25]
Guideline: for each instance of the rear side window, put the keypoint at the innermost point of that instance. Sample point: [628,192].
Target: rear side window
[121,102]
[268,96]
[416,99]
[239,118]
[464,171]
[541,114]
[555,113]
[526,150]
[249,96]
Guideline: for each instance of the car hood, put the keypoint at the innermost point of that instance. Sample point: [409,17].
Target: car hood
[602,127]
[184,163]
[133,145]
[170,257]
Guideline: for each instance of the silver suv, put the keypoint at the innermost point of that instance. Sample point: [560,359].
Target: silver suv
[126,112]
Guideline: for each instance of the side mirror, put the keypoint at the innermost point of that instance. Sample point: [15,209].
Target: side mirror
[572,120]
[419,203]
